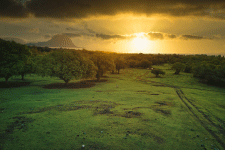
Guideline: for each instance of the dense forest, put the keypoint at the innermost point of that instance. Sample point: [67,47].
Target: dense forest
[18,59]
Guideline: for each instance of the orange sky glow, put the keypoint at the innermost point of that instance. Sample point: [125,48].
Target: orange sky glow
[149,26]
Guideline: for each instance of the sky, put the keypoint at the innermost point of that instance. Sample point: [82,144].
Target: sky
[127,26]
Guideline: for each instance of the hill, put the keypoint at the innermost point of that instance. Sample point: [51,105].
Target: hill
[57,41]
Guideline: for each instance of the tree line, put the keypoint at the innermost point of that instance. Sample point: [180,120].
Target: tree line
[18,59]
[208,69]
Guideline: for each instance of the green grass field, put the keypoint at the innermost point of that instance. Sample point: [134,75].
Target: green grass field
[131,111]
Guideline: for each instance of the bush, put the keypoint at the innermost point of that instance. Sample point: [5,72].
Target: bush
[145,64]
[178,67]
[104,63]
[132,63]
[188,68]
[157,72]
[210,73]
[120,64]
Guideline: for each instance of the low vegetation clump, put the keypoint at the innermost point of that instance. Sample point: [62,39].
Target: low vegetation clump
[210,73]
[120,64]
[178,67]
[144,63]
[157,72]
[104,63]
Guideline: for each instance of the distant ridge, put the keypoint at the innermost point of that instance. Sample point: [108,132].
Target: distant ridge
[17,40]
[57,41]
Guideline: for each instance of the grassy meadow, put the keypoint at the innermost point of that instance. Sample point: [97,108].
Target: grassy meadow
[131,110]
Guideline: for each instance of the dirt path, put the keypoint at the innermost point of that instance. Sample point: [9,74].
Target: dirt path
[217,131]
[202,118]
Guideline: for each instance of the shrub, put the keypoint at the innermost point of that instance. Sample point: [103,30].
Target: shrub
[157,72]
[178,66]
[145,63]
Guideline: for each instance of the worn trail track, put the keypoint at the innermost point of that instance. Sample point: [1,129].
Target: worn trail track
[204,119]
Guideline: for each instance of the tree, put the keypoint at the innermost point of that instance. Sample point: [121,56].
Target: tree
[65,64]
[210,73]
[188,68]
[120,64]
[14,56]
[132,63]
[104,63]
[178,67]
[91,69]
[157,72]
[26,67]
[145,63]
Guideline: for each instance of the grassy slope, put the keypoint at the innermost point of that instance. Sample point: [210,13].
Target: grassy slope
[203,96]
[132,110]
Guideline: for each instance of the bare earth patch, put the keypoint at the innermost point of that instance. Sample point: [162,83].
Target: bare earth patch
[132,114]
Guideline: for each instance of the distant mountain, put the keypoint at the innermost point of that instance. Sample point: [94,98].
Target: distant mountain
[57,41]
[17,40]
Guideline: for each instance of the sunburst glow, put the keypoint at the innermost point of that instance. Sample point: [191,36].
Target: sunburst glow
[140,43]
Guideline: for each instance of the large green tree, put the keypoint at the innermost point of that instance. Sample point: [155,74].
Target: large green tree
[157,72]
[120,64]
[103,63]
[13,58]
[132,63]
[65,64]
[144,63]
[210,73]
[26,67]
[91,68]
[178,67]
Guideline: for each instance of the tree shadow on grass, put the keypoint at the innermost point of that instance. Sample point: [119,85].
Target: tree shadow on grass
[77,85]
[12,84]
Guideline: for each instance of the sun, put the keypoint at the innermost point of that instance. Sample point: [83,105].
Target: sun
[140,44]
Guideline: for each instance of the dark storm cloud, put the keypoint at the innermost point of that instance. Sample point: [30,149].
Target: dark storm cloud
[107,37]
[156,36]
[85,25]
[71,29]
[171,36]
[192,37]
[47,36]
[161,36]
[13,9]
[85,8]
[72,35]
[90,30]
